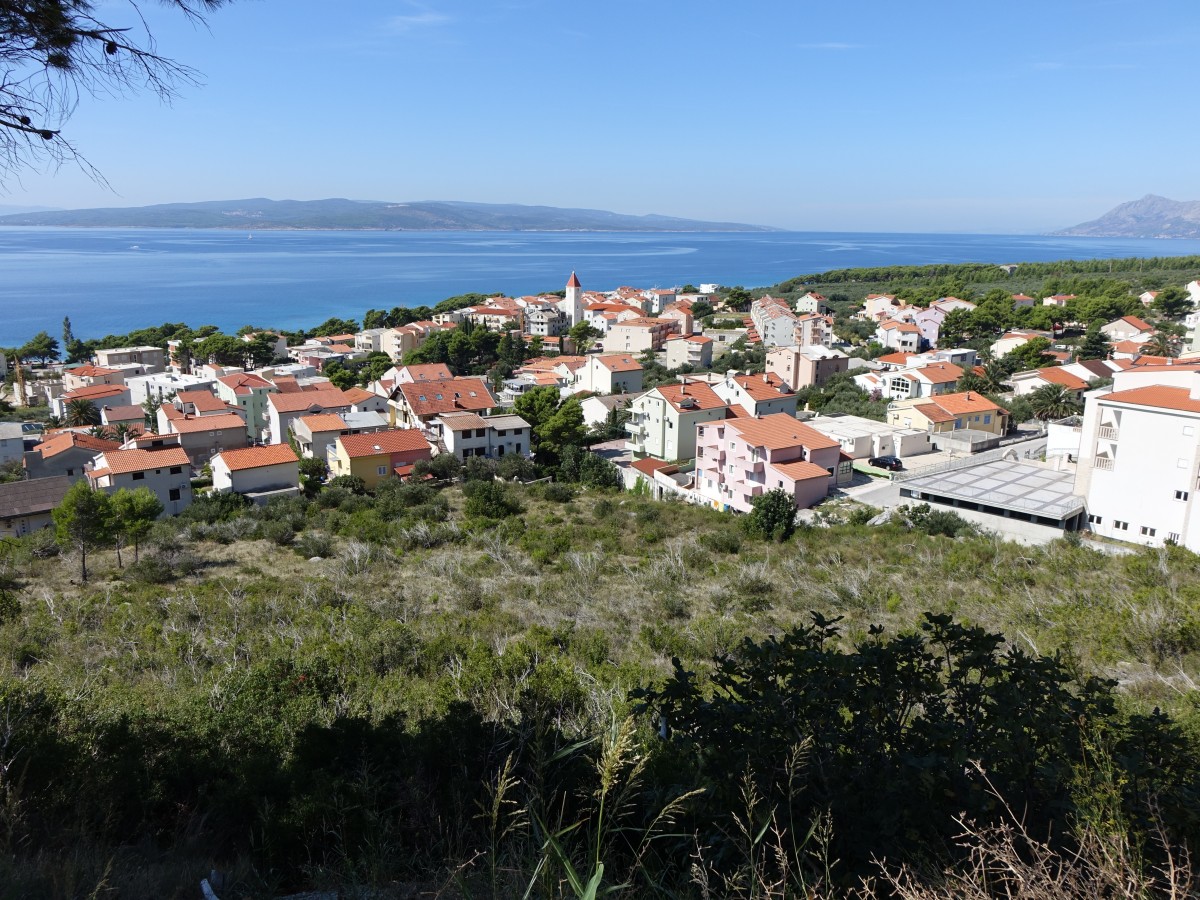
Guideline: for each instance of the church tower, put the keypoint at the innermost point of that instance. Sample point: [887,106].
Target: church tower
[572,304]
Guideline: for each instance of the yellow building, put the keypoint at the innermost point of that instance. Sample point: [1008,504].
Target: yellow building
[949,412]
[378,456]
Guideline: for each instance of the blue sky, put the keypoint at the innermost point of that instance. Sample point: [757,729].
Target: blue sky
[867,116]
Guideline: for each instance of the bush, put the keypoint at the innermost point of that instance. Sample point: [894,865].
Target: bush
[558,493]
[489,499]
[479,468]
[212,508]
[351,483]
[149,570]
[280,533]
[724,541]
[514,467]
[938,521]
[314,543]
[773,517]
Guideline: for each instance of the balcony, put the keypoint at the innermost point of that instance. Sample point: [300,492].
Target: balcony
[1108,433]
[1104,462]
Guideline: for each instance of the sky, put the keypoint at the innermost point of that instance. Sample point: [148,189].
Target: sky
[926,116]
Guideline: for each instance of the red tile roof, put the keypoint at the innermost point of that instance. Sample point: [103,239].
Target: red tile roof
[323,422]
[257,457]
[329,398]
[799,470]
[122,462]
[933,413]
[67,440]
[649,465]
[95,392]
[89,371]
[1157,396]
[202,400]
[965,403]
[428,372]
[696,393]
[398,440]
[196,424]
[432,398]
[1055,375]
[780,431]
[244,382]
[619,362]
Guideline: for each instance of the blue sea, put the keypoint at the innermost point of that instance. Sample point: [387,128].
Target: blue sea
[114,280]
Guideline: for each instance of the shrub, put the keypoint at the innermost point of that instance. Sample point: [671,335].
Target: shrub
[314,543]
[489,499]
[212,508]
[773,517]
[558,493]
[280,533]
[726,540]
[351,483]
[149,570]
[479,468]
[938,521]
[514,467]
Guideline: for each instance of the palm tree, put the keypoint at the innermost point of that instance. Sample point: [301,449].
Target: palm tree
[1161,344]
[1053,401]
[82,412]
[101,431]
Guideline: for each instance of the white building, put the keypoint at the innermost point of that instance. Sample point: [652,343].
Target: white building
[257,472]
[1139,457]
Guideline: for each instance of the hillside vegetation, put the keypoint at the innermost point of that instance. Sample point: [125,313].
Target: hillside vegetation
[425,690]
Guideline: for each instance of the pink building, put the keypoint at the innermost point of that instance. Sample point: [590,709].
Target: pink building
[739,459]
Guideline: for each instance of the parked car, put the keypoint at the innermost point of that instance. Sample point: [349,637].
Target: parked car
[891,463]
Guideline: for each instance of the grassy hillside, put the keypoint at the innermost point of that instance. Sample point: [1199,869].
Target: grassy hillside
[323,691]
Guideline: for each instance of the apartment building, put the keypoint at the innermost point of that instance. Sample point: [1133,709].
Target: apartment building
[1139,458]
[740,459]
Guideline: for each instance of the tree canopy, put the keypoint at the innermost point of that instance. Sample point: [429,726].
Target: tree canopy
[52,52]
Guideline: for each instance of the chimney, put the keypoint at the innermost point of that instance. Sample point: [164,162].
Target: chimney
[968,395]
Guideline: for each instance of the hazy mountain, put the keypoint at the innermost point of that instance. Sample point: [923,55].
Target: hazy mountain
[11,210]
[374,215]
[1150,217]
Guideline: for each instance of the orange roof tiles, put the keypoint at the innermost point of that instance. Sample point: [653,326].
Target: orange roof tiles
[463,421]
[698,394]
[95,392]
[649,465]
[398,440]
[202,400]
[67,440]
[940,373]
[619,362]
[358,395]
[329,398]
[965,403]
[195,424]
[428,372]
[287,384]
[1055,375]
[89,371]
[1157,396]
[122,462]
[244,383]
[323,422]
[1139,324]
[780,431]
[933,413]
[895,359]
[799,470]
[257,457]
[470,394]
[763,386]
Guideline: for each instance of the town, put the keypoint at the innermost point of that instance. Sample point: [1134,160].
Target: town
[690,394]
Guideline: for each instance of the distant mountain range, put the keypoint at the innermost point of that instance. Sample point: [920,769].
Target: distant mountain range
[1150,217]
[369,215]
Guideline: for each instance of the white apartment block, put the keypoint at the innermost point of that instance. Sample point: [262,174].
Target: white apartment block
[1139,465]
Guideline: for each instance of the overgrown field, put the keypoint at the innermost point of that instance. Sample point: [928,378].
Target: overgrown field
[386,691]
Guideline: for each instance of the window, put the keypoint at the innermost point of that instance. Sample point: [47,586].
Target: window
[176,470]
[1147,531]
[1181,495]
[381,470]
[1173,537]
[1120,526]
[173,494]
[139,476]
[987,419]
[1095,520]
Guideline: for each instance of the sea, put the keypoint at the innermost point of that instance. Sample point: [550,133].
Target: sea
[115,280]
